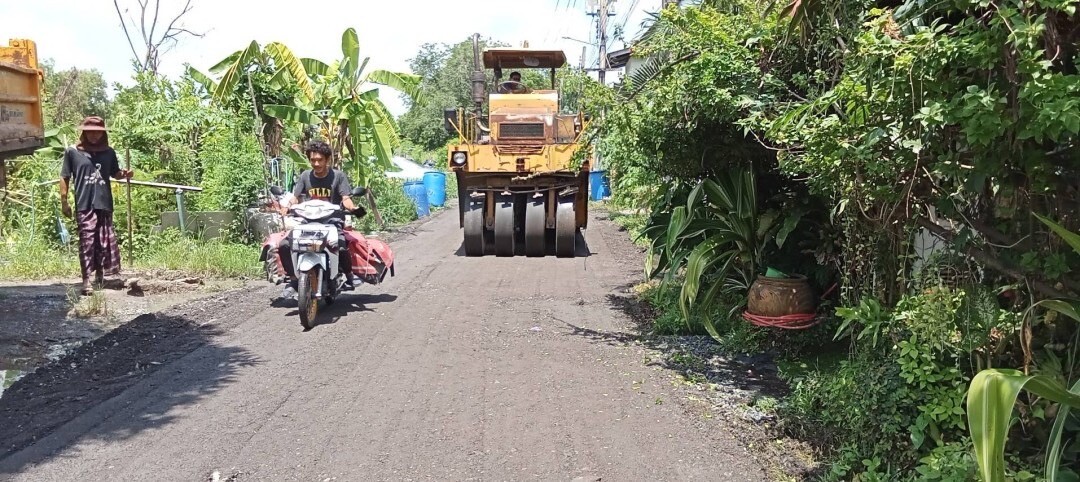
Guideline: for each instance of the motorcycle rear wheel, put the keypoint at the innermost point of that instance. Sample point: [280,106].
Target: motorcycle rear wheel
[307,286]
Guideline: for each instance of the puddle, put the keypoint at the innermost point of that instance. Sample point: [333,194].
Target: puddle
[27,362]
[38,328]
[8,377]
[12,368]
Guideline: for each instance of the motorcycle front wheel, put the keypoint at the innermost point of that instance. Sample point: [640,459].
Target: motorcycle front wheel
[306,288]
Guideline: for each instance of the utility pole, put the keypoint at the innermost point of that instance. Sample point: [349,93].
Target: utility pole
[602,23]
[602,14]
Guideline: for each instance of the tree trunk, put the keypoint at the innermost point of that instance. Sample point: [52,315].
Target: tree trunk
[999,265]
[342,135]
[272,132]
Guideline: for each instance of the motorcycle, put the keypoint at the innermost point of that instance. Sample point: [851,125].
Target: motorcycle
[314,251]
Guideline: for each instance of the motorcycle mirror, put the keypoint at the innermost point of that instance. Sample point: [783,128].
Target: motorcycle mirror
[275,190]
[358,191]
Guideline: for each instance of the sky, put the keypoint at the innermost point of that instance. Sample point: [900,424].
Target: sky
[87,33]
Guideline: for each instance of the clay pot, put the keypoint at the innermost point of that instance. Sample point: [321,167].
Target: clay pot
[780,296]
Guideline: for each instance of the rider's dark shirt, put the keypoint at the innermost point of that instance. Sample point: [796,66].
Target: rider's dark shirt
[332,188]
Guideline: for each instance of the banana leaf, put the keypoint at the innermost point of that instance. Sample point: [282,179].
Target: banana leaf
[409,84]
[292,113]
[234,66]
[285,60]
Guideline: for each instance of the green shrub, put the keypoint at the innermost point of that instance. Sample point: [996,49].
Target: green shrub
[952,462]
[394,205]
[860,402]
[899,398]
[668,320]
[233,173]
[451,186]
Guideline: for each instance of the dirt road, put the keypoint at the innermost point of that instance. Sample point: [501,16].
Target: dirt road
[457,369]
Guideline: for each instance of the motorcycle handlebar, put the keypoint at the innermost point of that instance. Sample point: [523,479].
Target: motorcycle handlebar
[358,212]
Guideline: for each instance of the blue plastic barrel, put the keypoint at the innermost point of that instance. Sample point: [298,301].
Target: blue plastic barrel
[435,183]
[599,185]
[418,193]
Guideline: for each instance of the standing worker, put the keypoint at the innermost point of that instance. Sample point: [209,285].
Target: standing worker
[91,162]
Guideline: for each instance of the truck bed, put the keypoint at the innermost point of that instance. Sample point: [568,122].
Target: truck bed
[22,127]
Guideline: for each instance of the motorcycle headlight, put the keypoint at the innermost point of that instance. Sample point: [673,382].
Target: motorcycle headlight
[308,244]
[459,158]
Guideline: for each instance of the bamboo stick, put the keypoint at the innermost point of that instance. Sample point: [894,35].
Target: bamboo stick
[143,183]
[164,185]
[127,160]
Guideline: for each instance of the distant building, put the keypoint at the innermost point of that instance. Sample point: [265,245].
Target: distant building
[625,58]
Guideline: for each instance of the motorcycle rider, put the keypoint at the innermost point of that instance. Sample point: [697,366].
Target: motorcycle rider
[326,184]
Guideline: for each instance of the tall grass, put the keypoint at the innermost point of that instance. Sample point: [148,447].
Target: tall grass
[22,260]
[634,224]
[212,259]
[46,258]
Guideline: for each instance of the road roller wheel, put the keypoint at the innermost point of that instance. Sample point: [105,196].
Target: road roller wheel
[474,227]
[535,227]
[504,226]
[565,230]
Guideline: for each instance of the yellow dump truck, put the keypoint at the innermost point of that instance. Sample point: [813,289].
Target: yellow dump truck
[521,173]
[22,125]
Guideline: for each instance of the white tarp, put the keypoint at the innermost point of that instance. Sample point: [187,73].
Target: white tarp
[408,170]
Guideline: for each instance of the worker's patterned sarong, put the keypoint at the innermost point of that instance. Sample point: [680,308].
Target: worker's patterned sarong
[98,248]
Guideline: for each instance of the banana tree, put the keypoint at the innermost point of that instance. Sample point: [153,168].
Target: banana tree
[57,140]
[346,107]
[278,73]
[287,68]
[992,396]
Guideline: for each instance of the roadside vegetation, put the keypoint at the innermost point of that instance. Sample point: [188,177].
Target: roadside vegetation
[918,163]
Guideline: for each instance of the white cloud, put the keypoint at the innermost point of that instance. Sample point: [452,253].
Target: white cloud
[88,34]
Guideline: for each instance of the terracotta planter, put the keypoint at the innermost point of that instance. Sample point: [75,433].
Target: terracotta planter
[780,296]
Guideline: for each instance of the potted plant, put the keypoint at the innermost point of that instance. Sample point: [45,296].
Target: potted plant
[776,294]
[719,240]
